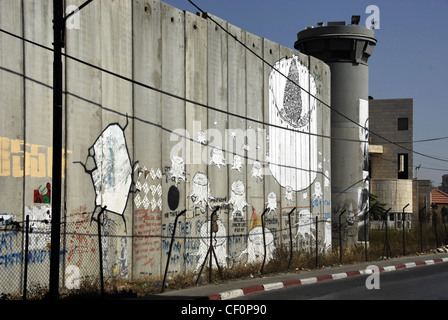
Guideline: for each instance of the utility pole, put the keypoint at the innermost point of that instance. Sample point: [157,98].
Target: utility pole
[59,22]
[58,38]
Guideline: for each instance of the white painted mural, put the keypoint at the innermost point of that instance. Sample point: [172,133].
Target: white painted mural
[293,152]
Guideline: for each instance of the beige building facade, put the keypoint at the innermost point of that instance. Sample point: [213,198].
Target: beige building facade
[391,165]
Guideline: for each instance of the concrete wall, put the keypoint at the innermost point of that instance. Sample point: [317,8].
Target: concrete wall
[147,155]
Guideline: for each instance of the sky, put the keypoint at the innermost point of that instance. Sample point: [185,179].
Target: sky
[409,60]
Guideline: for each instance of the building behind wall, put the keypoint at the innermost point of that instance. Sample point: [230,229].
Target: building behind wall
[392,164]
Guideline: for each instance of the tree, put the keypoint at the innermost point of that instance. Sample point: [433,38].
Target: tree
[377,208]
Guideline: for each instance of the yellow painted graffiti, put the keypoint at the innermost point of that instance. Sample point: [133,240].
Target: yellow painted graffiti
[19,159]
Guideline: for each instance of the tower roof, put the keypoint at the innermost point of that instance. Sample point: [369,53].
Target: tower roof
[337,42]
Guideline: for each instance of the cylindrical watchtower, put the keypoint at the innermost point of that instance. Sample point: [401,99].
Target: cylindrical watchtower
[346,49]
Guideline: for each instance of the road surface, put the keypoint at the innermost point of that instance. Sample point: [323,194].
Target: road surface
[419,283]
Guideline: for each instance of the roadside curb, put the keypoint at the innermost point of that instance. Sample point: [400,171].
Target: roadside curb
[235,293]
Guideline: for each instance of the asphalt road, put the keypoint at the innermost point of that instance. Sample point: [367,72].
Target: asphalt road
[421,283]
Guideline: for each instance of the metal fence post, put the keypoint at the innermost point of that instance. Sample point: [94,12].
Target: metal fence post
[403,220]
[340,237]
[420,219]
[290,237]
[25,280]
[365,235]
[264,239]
[317,238]
[386,246]
[211,250]
[101,249]
[435,228]
[171,247]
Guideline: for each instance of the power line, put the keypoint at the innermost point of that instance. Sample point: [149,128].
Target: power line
[177,96]
[226,112]
[422,140]
[191,139]
[319,100]
[219,110]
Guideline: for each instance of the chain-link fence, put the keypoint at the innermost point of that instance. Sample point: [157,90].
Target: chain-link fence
[94,256]
[25,253]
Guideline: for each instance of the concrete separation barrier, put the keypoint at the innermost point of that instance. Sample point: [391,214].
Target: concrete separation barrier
[232,294]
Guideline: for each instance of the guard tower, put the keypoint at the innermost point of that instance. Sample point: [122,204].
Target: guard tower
[346,49]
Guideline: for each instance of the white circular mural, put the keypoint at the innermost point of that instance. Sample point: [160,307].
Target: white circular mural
[292,153]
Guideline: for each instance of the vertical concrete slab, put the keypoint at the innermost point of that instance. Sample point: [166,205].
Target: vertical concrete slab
[289,195]
[12,110]
[239,209]
[148,199]
[199,193]
[320,206]
[324,108]
[255,174]
[37,143]
[217,129]
[273,194]
[174,137]
[83,119]
[254,100]
[116,56]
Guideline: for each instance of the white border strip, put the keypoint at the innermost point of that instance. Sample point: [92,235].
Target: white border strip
[273,286]
[231,294]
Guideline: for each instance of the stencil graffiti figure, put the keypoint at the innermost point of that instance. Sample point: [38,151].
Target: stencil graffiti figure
[218,241]
[201,137]
[112,170]
[237,163]
[306,225]
[257,171]
[217,158]
[201,192]
[317,191]
[289,194]
[272,202]
[177,171]
[238,198]
[255,246]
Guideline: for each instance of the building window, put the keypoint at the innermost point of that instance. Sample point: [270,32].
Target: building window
[403,166]
[403,124]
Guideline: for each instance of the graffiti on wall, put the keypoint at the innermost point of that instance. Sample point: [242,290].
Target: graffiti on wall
[19,159]
[292,158]
[12,242]
[110,168]
[81,243]
[42,194]
[293,152]
[40,218]
[363,191]
[200,195]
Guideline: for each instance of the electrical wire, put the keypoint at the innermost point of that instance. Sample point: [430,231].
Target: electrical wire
[319,100]
[217,109]
[174,96]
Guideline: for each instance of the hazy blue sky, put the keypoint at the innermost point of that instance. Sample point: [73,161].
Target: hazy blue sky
[409,61]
